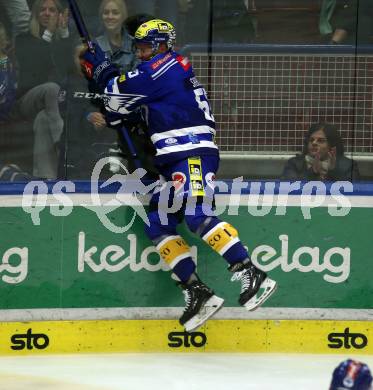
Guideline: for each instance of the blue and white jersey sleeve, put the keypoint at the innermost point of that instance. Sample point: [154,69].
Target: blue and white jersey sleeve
[123,95]
[173,103]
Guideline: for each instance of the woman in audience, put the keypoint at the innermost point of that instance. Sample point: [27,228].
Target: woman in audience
[41,55]
[116,43]
[322,157]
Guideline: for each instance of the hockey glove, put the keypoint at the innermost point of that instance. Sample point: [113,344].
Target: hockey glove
[98,68]
[113,119]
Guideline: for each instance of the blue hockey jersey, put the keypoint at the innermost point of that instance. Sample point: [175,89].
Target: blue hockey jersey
[174,105]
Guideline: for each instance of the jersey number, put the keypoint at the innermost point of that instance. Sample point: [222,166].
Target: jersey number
[203,104]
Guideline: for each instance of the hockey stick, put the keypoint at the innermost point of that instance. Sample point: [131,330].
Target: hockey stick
[83,32]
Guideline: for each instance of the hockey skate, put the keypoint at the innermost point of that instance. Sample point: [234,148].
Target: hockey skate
[256,287]
[201,304]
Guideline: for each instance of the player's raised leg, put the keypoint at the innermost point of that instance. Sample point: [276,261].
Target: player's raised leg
[256,286]
[200,301]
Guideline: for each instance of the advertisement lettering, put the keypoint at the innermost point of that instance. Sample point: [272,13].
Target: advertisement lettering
[113,257]
[347,340]
[29,340]
[185,339]
[14,265]
[304,259]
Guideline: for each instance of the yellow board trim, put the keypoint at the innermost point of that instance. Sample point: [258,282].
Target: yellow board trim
[283,336]
[221,237]
[174,248]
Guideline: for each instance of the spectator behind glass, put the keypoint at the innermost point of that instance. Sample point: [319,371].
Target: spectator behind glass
[19,14]
[8,82]
[8,112]
[41,57]
[116,43]
[351,375]
[322,157]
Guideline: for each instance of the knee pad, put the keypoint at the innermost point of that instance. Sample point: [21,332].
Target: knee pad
[173,249]
[170,245]
[221,237]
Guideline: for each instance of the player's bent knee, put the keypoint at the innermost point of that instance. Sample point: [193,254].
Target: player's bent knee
[199,216]
[221,237]
[194,222]
[157,228]
[173,249]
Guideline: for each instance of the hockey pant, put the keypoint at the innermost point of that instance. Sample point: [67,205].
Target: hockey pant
[188,193]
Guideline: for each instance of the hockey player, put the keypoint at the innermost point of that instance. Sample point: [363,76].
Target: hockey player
[182,130]
[351,375]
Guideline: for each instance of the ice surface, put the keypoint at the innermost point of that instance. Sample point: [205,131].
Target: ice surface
[173,371]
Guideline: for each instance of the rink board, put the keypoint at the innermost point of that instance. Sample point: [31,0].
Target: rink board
[285,336]
[55,257]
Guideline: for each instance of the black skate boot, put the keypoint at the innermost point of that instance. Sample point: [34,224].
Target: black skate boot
[201,304]
[256,287]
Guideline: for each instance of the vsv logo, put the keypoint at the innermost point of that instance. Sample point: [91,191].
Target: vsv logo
[29,340]
[185,339]
[347,340]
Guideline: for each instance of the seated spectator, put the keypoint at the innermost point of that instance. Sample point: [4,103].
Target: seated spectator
[41,58]
[351,375]
[116,43]
[322,157]
[8,82]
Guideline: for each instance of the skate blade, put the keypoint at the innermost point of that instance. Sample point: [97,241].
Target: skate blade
[209,309]
[269,287]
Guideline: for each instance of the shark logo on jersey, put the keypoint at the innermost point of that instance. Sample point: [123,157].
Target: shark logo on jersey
[121,103]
